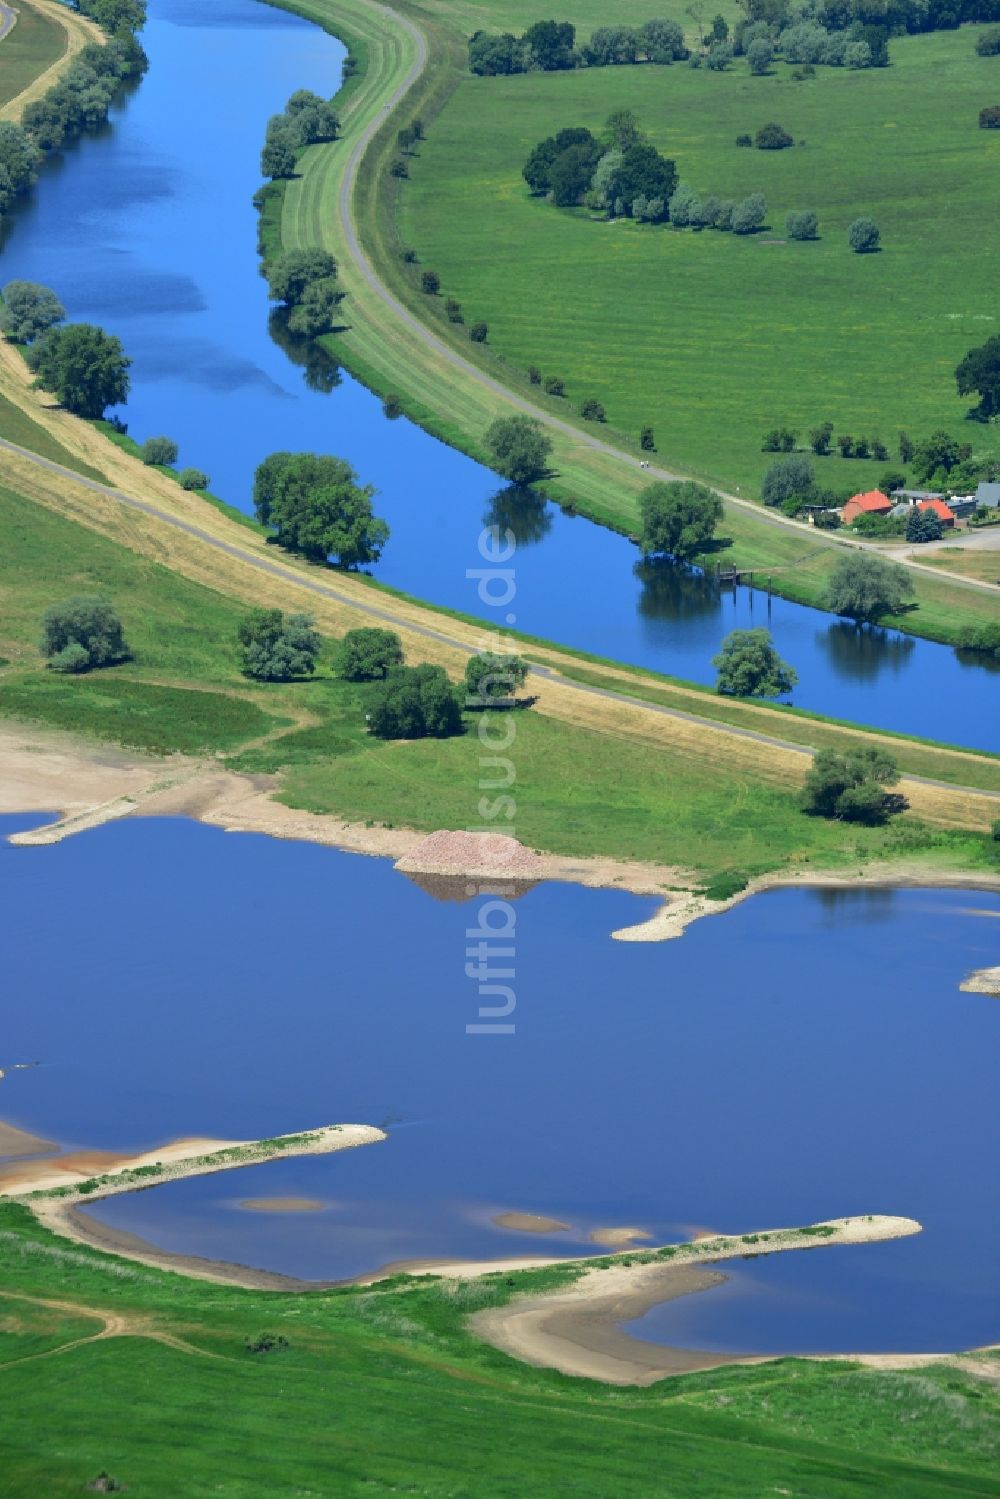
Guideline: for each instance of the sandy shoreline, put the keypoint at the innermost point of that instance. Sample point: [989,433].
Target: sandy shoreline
[88,786]
[17,1142]
[983,981]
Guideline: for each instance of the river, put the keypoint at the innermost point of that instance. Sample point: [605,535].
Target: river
[807,1054]
[148,229]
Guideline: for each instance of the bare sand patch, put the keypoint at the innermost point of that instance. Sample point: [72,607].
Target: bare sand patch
[983,981]
[17,1142]
[617,1238]
[530,1223]
[284,1205]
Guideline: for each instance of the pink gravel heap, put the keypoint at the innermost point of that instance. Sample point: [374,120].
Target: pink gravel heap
[484,855]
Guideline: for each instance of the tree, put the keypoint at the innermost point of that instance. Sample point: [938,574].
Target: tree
[193,478]
[760,56]
[819,438]
[773,137]
[678,519]
[430,282]
[278,156]
[551,44]
[368,654]
[312,119]
[159,452]
[857,55]
[851,786]
[84,367]
[275,649]
[19,161]
[537,168]
[592,411]
[863,587]
[412,703]
[788,478]
[28,311]
[491,678]
[478,332]
[922,525]
[316,506]
[802,224]
[891,480]
[749,215]
[988,43]
[663,41]
[647,441]
[570,173]
[720,56]
[293,272]
[82,633]
[554,386]
[519,448]
[905,448]
[610,45]
[399,168]
[979,374]
[863,236]
[939,453]
[492,55]
[989,117]
[749,666]
[316,312]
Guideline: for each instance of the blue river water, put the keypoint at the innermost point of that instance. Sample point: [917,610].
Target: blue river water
[148,229]
[805,1055]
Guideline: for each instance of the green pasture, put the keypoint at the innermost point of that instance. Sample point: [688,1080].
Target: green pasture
[714,338]
[34,45]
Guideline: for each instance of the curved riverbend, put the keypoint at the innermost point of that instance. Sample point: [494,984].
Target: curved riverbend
[168,261]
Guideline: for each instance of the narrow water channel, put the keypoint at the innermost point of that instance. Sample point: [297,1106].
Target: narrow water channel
[807,1054]
[148,229]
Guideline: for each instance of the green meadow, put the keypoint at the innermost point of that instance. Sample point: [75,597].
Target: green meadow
[384,1391]
[714,338]
[34,45]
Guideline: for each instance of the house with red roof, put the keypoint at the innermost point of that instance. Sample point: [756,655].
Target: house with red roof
[872,503]
[944,512]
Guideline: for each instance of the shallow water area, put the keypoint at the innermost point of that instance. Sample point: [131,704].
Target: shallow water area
[148,229]
[804,1056]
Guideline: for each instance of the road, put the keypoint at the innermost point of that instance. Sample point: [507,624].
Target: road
[456,639]
[443,351]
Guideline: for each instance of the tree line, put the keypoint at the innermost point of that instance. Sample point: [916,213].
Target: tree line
[307,120]
[550,46]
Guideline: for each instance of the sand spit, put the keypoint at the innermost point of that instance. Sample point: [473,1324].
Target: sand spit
[17,1142]
[617,1238]
[576,1329]
[283,1205]
[530,1223]
[983,981]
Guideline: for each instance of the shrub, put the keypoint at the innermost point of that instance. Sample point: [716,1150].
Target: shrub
[88,623]
[409,256]
[430,282]
[760,55]
[72,658]
[193,478]
[158,452]
[478,333]
[592,411]
[491,678]
[720,55]
[773,137]
[414,702]
[863,236]
[534,375]
[275,649]
[399,168]
[744,140]
[368,654]
[819,438]
[989,118]
[802,224]
[749,215]
[983,639]
[988,43]
[647,441]
[789,477]
[554,386]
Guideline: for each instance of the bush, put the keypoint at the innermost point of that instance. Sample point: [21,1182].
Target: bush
[819,438]
[802,224]
[193,478]
[720,55]
[749,215]
[592,411]
[83,624]
[534,375]
[399,168]
[478,333]
[554,386]
[491,679]
[760,56]
[989,118]
[519,448]
[414,702]
[852,786]
[789,478]
[773,137]
[647,441]
[863,236]
[275,649]
[368,654]
[159,452]
[988,43]
[430,282]
[744,140]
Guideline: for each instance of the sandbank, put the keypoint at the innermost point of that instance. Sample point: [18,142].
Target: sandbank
[283,1205]
[17,1142]
[983,981]
[530,1223]
[617,1238]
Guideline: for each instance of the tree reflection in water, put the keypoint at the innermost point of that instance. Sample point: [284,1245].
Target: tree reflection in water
[321,370]
[672,591]
[860,653]
[517,509]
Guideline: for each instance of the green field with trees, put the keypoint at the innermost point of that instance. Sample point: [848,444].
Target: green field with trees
[711,339]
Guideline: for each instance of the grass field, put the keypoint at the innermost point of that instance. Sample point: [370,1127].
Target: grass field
[383,1391]
[17,426]
[34,45]
[714,338]
[701,802]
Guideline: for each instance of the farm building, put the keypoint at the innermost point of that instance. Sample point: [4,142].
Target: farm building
[872,503]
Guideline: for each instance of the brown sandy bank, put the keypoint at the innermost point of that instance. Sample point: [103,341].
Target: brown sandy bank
[983,981]
[617,1238]
[576,1330]
[283,1205]
[530,1223]
[17,1142]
